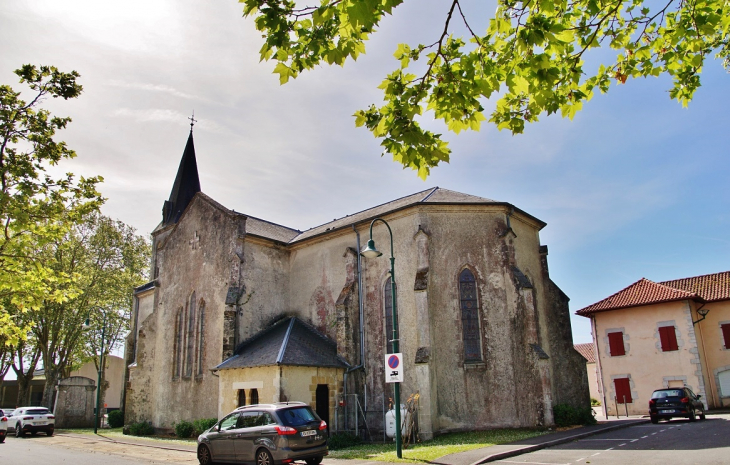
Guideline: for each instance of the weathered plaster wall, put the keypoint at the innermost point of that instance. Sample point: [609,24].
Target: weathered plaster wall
[266,380]
[266,287]
[196,256]
[716,358]
[300,384]
[644,363]
[113,374]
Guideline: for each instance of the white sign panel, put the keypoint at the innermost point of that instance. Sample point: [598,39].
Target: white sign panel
[393,368]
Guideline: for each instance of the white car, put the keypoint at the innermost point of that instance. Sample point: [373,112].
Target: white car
[3,426]
[31,420]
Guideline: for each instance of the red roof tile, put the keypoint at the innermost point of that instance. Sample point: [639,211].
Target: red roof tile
[586,350]
[711,287]
[642,292]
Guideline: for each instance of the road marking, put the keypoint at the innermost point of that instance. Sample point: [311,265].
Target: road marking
[653,434]
[610,448]
[581,459]
[535,463]
[605,439]
[634,440]
[644,437]
[621,445]
[662,430]
[597,453]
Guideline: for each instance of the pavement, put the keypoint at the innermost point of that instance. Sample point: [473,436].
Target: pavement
[471,457]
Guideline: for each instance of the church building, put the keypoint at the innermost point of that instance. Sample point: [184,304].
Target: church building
[241,310]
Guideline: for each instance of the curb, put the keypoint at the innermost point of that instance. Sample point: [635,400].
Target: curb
[555,442]
[99,437]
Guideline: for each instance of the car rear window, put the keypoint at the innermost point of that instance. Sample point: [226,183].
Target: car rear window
[667,393]
[37,411]
[296,416]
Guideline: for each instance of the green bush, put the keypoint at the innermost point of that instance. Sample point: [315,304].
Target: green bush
[567,415]
[595,402]
[184,429]
[343,441]
[141,429]
[116,419]
[204,424]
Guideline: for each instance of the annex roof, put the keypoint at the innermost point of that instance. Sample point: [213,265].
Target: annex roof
[586,350]
[288,342]
[706,288]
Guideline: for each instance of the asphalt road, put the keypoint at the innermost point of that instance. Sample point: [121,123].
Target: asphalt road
[43,450]
[677,442]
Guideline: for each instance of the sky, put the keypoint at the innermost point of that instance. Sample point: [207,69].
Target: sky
[635,186]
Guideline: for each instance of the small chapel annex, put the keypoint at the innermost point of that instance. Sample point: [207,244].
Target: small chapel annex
[241,310]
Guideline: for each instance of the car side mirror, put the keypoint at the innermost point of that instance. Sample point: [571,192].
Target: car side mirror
[699,396]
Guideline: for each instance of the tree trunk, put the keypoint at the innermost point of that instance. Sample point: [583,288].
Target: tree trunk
[24,387]
[49,389]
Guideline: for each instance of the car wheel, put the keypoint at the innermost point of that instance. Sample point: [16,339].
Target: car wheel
[19,430]
[654,420]
[204,456]
[702,415]
[49,433]
[263,457]
[2,439]
[692,416]
[33,433]
[314,461]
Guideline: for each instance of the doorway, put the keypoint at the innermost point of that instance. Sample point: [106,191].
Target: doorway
[323,403]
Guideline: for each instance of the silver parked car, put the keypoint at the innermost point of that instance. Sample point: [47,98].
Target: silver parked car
[266,434]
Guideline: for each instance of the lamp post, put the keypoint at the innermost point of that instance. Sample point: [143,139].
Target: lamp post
[87,326]
[371,252]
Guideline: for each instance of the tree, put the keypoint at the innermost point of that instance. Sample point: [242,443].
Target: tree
[531,58]
[107,260]
[35,207]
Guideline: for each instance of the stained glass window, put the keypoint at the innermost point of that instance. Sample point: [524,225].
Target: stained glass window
[470,316]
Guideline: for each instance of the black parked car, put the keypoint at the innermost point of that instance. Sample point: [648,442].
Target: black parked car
[266,434]
[675,402]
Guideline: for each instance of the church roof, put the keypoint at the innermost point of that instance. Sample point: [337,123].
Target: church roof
[432,196]
[186,185]
[586,350]
[288,342]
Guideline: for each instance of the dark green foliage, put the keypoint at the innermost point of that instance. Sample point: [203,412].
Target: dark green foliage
[567,415]
[184,429]
[343,441]
[142,428]
[203,425]
[116,419]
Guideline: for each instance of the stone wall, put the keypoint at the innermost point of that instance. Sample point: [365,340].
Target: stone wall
[75,402]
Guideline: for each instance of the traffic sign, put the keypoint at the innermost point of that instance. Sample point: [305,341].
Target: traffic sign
[393,368]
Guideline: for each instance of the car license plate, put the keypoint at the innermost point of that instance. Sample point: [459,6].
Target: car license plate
[666,411]
[309,433]
[40,423]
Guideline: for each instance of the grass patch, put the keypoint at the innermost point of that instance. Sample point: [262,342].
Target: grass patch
[438,447]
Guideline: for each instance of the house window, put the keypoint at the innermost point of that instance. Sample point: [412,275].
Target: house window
[241,397]
[726,334]
[388,306]
[623,390]
[616,343]
[668,338]
[201,339]
[254,395]
[469,316]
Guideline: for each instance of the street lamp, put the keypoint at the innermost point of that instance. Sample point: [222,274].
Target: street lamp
[87,326]
[371,252]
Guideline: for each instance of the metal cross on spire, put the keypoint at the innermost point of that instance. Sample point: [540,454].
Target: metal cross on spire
[192,121]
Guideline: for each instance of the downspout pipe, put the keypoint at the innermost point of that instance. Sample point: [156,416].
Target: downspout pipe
[361,307]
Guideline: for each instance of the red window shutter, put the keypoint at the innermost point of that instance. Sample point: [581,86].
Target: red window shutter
[616,344]
[668,338]
[623,390]
[726,335]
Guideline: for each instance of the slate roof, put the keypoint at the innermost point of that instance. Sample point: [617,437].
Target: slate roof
[706,288]
[186,185]
[288,342]
[586,350]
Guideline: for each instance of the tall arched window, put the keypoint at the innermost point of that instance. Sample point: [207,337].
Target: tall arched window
[254,395]
[190,337]
[177,344]
[470,316]
[201,339]
[388,309]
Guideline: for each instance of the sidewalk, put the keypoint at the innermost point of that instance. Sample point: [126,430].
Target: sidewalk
[502,451]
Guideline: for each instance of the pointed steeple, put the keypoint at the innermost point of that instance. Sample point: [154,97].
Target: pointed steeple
[186,185]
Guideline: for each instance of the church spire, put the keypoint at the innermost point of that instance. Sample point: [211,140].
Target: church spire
[186,184]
